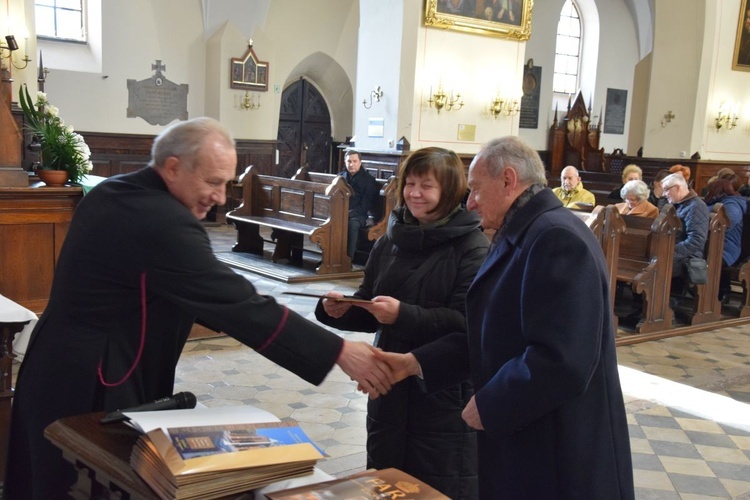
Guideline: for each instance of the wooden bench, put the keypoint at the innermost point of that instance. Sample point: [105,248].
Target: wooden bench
[607,225]
[388,198]
[706,304]
[739,274]
[294,209]
[645,262]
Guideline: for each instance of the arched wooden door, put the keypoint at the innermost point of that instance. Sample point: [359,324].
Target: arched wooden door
[304,130]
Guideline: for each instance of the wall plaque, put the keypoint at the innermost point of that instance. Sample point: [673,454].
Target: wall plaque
[532,81]
[614,114]
[156,99]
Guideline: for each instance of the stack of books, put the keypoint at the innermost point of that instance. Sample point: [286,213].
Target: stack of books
[212,461]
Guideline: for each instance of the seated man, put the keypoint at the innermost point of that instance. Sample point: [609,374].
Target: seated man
[571,190]
[694,215]
[365,193]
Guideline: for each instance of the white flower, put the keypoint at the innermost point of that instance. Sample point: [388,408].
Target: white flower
[52,110]
[41,98]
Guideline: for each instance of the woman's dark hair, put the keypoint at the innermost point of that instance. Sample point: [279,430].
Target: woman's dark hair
[661,174]
[448,170]
[717,190]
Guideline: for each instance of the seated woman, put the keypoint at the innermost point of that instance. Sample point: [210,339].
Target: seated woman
[722,191]
[635,193]
[630,173]
[657,197]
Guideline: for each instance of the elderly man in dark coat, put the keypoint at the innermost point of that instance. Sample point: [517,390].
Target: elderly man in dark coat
[548,401]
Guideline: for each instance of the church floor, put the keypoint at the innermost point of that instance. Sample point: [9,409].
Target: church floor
[687,399]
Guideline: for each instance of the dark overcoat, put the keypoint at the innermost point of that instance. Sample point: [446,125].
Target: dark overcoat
[417,427]
[135,271]
[542,351]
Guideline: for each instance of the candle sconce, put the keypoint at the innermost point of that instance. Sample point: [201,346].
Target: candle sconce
[11,46]
[248,102]
[500,105]
[440,100]
[375,95]
[727,117]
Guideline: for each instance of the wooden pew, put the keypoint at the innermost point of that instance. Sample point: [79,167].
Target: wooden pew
[607,225]
[706,305]
[294,209]
[645,262]
[739,274]
[388,198]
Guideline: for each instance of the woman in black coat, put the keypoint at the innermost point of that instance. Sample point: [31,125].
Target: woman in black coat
[416,278]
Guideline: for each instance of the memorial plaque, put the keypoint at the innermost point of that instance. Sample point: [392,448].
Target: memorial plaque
[156,99]
[614,116]
[532,80]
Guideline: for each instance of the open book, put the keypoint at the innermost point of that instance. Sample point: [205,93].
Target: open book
[211,461]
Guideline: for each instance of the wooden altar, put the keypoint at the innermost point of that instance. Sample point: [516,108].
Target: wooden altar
[575,141]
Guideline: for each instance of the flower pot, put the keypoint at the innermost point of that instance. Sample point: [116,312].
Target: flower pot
[53,178]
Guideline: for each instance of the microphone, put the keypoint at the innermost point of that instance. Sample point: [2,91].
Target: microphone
[179,401]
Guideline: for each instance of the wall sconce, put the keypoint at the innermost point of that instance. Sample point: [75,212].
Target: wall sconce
[500,105]
[440,100]
[248,102]
[11,45]
[374,95]
[496,106]
[668,117]
[727,117]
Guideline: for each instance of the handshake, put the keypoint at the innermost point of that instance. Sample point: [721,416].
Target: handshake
[374,370]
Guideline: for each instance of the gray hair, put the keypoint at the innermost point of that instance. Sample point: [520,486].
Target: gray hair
[674,180]
[512,151]
[635,187]
[185,139]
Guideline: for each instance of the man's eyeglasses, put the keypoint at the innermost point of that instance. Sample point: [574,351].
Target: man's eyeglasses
[668,188]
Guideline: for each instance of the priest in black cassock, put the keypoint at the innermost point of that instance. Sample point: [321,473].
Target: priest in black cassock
[134,273]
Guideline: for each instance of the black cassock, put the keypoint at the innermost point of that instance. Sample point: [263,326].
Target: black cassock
[134,273]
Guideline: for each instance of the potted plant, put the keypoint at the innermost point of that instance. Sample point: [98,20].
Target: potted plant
[60,147]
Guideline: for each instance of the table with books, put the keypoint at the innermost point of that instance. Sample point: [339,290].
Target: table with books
[110,458]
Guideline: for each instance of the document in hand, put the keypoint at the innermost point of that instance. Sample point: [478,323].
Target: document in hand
[211,461]
[385,483]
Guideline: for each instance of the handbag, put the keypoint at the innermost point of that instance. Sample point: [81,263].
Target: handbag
[697,270]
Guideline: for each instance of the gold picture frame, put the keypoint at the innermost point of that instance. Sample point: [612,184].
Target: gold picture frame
[499,18]
[248,72]
[741,58]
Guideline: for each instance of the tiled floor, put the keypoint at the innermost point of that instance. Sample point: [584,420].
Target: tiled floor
[687,399]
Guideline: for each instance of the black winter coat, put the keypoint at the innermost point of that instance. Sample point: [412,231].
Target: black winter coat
[412,428]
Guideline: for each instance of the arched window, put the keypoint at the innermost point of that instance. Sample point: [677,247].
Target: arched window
[60,20]
[567,50]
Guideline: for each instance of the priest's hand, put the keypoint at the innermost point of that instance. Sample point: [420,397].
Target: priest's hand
[364,364]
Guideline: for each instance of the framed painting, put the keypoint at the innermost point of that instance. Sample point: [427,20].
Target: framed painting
[741,59]
[500,18]
[248,73]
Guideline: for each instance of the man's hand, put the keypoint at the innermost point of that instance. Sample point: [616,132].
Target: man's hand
[363,363]
[384,308]
[471,415]
[401,365]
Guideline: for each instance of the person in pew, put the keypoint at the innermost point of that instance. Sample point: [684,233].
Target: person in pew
[635,193]
[691,240]
[135,271]
[657,197]
[363,199]
[684,171]
[417,276]
[631,172]
[723,191]
[571,191]
[548,405]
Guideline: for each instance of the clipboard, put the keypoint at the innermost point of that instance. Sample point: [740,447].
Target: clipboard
[345,298]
